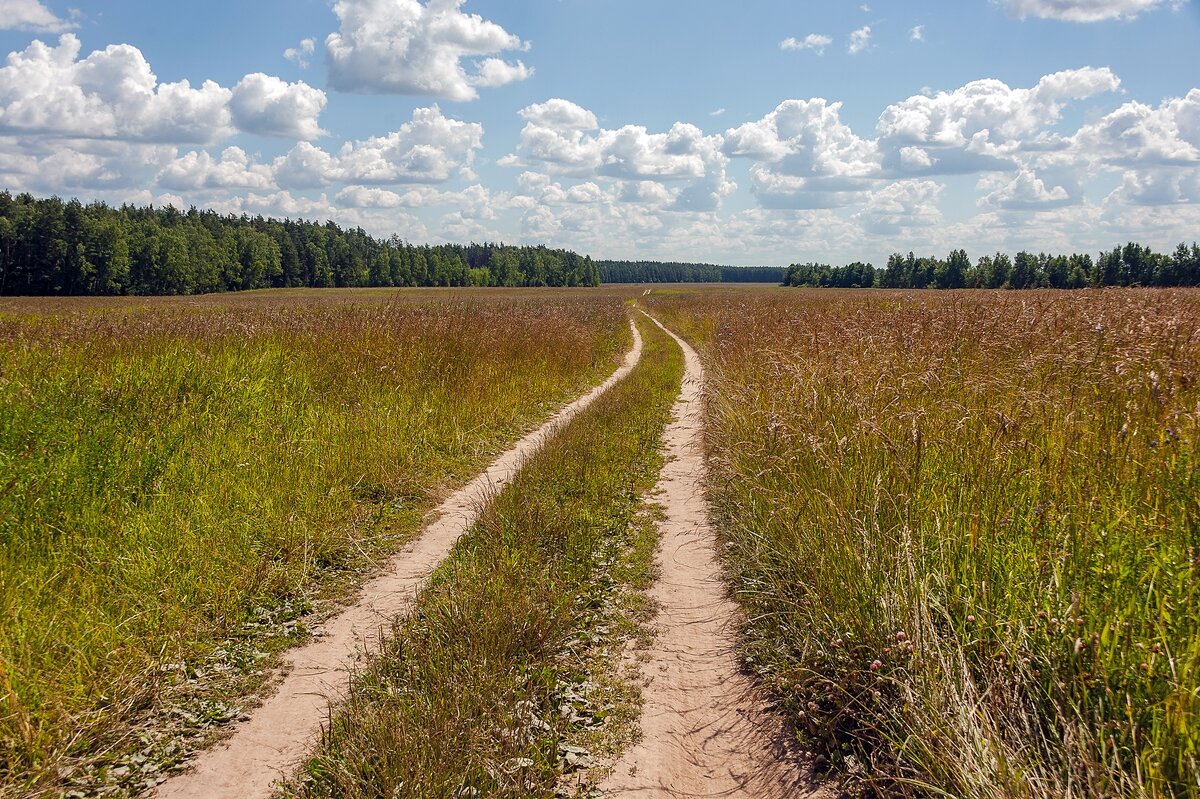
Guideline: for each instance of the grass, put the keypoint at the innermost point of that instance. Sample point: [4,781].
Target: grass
[179,481]
[491,685]
[966,530]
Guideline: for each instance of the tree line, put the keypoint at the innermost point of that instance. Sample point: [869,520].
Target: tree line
[671,272]
[52,247]
[1130,265]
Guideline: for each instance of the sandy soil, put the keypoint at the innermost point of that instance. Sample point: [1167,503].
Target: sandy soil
[705,731]
[274,741]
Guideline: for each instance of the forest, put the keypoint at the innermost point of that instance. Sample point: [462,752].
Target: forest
[56,247]
[1128,265]
[670,272]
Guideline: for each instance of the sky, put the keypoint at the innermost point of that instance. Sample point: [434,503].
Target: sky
[757,132]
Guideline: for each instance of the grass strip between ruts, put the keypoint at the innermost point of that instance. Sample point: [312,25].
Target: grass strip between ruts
[478,692]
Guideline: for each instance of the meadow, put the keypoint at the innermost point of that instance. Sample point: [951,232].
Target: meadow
[501,681]
[965,530]
[183,483]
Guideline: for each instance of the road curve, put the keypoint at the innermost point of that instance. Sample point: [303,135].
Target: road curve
[278,735]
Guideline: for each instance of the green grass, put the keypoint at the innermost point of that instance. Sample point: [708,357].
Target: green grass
[179,482]
[487,689]
[966,530]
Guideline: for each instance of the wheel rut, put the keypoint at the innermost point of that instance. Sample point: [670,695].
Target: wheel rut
[273,742]
[705,730]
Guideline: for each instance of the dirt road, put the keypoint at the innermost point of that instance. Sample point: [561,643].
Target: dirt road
[705,732]
[279,733]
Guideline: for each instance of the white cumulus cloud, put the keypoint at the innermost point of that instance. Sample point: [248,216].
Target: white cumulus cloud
[900,205]
[270,106]
[495,72]
[110,94]
[431,148]
[806,156]
[1026,191]
[409,47]
[306,166]
[981,125]
[113,94]
[1139,134]
[199,170]
[563,138]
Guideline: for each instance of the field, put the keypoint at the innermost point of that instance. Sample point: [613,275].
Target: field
[963,529]
[488,683]
[181,482]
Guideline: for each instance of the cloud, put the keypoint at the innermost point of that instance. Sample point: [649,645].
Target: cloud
[563,138]
[407,47]
[40,165]
[1026,192]
[900,205]
[199,170]
[367,197]
[305,167]
[494,72]
[556,137]
[301,53]
[268,106]
[718,112]
[31,15]
[431,148]
[1136,134]
[560,115]
[1159,187]
[805,138]
[813,41]
[859,40]
[806,157]
[1085,10]
[113,94]
[981,125]
[917,33]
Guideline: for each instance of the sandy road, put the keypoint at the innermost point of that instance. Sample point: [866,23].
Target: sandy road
[274,741]
[705,732]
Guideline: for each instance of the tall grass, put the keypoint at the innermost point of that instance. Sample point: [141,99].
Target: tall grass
[177,478]
[480,690]
[967,531]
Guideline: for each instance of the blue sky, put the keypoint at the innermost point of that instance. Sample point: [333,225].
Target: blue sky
[767,131]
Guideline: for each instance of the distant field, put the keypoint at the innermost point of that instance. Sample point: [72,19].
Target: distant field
[966,530]
[181,478]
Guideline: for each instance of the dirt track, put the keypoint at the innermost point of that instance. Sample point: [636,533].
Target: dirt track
[705,732]
[279,733]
